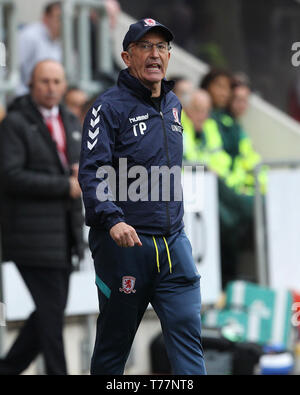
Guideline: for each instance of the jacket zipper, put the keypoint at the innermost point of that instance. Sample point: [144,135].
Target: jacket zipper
[168,162]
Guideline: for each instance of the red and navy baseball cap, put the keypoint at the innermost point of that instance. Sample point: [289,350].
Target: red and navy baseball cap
[139,29]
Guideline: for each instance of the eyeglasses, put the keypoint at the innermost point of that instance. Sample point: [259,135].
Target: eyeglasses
[147,46]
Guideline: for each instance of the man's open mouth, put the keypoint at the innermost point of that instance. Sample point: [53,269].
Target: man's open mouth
[153,67]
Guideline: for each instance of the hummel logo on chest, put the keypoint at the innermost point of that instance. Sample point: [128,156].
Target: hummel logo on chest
[139,118]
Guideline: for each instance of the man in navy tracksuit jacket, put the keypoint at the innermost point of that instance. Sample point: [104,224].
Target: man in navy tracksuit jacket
[139,247]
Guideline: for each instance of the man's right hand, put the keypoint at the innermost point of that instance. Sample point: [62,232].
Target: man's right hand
[75,191]
[124,235]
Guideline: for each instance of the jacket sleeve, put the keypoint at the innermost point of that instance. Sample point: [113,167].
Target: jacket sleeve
[15,178]
[249,157]
[98,141]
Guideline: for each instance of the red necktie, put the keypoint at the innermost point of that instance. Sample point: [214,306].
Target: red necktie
[56,128]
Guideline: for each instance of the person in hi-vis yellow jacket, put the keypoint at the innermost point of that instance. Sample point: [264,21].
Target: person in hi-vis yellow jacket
[203,143]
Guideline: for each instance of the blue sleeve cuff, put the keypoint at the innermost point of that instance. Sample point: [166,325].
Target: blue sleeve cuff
[113,220]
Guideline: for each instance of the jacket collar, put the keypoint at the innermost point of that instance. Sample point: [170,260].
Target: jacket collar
[128,81]
[31,112]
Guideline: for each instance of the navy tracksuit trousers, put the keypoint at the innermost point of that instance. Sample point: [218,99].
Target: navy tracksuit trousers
[161,272]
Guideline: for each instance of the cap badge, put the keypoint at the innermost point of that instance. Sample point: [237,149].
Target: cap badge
[149,22]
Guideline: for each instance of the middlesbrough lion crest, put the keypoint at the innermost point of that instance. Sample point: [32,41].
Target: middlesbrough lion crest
[128,283]
[175,114]
[149,22]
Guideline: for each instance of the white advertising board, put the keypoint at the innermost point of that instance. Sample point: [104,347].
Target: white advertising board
[283,229]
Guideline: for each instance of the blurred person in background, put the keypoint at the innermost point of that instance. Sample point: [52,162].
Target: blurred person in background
[75,100]
[201,139]
[41,212]
[182,88]
[113,10]
[230,98]
[239,101]
[203,144]
[246,158]
[218,84]
[236,202]
[39,41]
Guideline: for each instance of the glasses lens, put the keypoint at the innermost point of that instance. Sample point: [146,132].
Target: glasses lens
[148,46]
[162,47]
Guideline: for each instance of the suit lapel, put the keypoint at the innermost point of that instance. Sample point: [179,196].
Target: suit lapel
[35,116]
[69,130]
[67,134]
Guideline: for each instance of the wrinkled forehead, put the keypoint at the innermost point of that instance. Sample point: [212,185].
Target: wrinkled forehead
[154,35]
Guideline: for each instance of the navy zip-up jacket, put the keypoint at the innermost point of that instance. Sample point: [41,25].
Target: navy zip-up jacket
[124,123]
